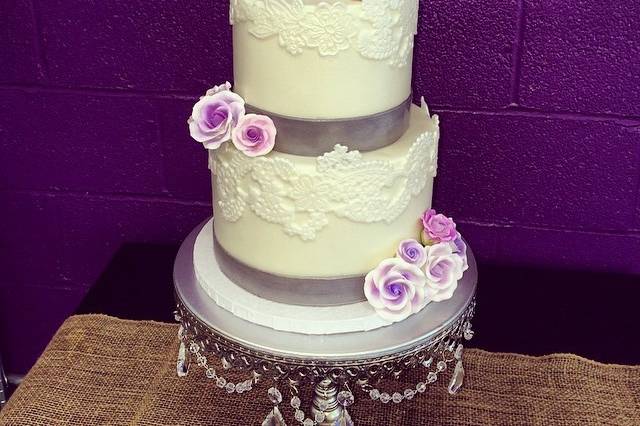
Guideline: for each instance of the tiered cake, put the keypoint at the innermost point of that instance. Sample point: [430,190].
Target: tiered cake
[322,171]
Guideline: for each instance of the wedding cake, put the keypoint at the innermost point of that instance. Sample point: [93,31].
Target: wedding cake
[322,171]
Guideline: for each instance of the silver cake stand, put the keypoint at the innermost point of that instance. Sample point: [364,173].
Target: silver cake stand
[337,366]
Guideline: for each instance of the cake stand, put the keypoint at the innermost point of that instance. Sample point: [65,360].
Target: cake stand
[337,365]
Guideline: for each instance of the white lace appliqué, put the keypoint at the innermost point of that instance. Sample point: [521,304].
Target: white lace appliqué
[343,183]
[378,29]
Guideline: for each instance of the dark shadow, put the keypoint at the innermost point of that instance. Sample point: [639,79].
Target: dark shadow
[541,311]
[137,284]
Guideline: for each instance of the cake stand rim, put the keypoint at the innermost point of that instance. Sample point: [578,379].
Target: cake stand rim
[266,342]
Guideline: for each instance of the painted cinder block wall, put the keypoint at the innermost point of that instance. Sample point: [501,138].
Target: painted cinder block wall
[539,159]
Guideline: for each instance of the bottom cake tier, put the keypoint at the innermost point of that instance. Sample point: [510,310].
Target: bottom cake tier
[352,317]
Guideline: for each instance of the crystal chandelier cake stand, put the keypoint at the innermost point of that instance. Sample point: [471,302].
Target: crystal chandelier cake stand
[340,367]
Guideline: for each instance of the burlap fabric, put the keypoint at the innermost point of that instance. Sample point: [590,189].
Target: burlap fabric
[100,370]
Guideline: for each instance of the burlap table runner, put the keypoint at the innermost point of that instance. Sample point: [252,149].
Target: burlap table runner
[99,370]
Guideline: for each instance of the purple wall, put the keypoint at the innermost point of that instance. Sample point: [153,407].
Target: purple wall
[539,159]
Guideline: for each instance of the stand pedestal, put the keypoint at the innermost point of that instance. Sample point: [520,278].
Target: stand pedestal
[336,365]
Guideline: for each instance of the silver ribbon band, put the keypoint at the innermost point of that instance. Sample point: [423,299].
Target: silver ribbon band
[314,137]
[293,291]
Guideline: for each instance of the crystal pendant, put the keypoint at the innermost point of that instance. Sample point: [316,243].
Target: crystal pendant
[458,378]
[344,420]
[274,396]
[182,365]
[274,418]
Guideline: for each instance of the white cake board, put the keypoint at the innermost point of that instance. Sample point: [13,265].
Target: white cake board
[295,318]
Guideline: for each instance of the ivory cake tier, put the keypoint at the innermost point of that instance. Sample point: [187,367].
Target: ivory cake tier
[316,59]
[328,216]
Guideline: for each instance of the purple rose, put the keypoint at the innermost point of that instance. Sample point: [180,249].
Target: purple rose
[459,247]
[437,228]
[215,115]
[396,289]
[412,252]
[443,269]
[255,135]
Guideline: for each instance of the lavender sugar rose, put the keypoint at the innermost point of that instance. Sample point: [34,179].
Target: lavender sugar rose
[215,115]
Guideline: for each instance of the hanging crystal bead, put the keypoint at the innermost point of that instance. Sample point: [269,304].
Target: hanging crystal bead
[221,382]
[319,417]
[274,395]
[432,377]
[299,415]
[441,366]
[397,397]
[468,333]
[374,394]
[295,402]
[210,373]
[202,360]
[345,398]
[409,393]
[323,404]
[307,422]
[459,349]
[225,363]
[421,387]
[385,397]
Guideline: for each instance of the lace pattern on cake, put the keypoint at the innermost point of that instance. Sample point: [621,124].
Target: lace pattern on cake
[378,29]
[344,183]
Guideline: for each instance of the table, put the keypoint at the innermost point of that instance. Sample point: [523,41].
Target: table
[102,370]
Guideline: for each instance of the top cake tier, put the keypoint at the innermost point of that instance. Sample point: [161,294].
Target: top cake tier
[323,60]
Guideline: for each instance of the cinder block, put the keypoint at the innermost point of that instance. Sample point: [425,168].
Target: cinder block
[582,56]
[463,52]
[19,62]
[161,46]
[79,142]
[526,170]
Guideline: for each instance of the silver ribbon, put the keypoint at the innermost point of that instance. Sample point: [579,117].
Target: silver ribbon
[314,137]
[294,291]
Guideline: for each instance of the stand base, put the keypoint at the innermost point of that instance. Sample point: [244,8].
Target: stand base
[334,364]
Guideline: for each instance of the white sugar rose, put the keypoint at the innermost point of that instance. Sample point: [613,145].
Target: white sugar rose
[443,269]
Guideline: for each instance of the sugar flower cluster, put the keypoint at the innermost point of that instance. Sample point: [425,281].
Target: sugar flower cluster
[220,116]
[421,272]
